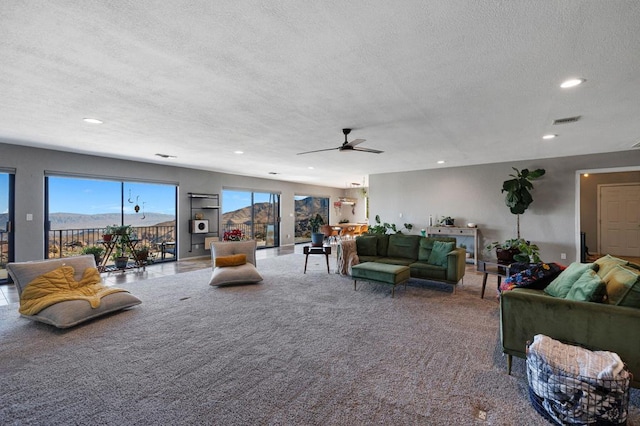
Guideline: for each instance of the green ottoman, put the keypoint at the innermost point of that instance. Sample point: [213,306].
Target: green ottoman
[381,273]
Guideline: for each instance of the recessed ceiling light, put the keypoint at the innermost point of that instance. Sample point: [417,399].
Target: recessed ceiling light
[572,82]
[586,175]
[440,161]
[549,136]
[310,167]
[92,120]
[238,152]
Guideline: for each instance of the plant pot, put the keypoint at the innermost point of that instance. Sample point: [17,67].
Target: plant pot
[506,255]
[107,237]
[317,238]
[121,262]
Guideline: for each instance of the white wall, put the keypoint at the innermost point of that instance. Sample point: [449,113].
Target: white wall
[473,194]
[31,163]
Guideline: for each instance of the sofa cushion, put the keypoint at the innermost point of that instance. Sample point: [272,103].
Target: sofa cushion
[367,245]
[589,287]
[606,263]
[383,244]
[424,270]
[426,245]
[243,274]
[623,287]
[562,284]
[403,246]
[394,261]
[73,312]
[439,252]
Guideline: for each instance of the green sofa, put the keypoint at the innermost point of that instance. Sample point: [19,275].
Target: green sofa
[597,326]
[413,251]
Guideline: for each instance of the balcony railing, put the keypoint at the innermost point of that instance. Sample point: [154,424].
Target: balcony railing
[70,242]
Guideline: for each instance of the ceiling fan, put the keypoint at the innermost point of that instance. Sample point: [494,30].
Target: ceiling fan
[347,146]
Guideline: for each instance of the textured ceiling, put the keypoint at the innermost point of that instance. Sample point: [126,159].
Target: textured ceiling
[468,82]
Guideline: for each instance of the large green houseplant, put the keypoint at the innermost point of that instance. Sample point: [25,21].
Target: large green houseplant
[518,198]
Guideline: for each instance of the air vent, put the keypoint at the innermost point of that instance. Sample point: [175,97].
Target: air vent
[566,120]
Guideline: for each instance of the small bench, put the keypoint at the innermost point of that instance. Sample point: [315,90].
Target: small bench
[381,273]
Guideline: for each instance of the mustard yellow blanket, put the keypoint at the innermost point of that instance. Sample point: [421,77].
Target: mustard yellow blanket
[59,285]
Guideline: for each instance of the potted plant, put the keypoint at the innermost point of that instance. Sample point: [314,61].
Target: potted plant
[142,254]
[317,238]
[518,197]
[96,251]
[516,249]
[447,221]
[120,258]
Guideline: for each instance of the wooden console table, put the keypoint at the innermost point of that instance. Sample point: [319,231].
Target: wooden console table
[451,231]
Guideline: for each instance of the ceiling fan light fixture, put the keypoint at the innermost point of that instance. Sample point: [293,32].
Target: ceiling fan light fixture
[572,82]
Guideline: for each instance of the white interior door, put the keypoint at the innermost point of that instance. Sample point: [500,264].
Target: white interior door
[619,219]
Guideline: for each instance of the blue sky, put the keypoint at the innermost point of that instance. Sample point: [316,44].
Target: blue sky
[4,193]
[86,196]
[234,200]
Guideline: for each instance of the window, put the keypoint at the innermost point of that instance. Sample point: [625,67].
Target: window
[306,207]
[79,209]
[255,214]
[6,219]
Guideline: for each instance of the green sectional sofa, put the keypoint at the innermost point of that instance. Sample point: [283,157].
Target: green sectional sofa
[612,323]
[417,253]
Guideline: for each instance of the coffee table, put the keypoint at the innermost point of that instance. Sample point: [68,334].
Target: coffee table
[492,267]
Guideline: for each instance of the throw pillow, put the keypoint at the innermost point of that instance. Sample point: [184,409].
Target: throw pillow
[606,263]
[562,284]
[367,245]
[587,288]
[623,287]
[231,260]
[439,252]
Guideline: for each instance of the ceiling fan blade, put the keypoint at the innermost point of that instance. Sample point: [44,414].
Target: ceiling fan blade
[373,151]
[317,150]
[354,142]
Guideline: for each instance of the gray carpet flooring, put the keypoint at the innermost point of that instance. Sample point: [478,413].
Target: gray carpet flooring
[297,349]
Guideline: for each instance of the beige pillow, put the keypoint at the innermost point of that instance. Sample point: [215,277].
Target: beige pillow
[623,287]
[606,263]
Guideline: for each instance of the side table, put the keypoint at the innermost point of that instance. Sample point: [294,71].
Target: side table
[492,267]
[326,250]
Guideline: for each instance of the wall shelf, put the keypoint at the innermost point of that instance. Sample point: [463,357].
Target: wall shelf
[204,221]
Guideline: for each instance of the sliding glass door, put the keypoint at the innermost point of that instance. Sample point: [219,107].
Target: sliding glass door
[6,221]
[78,210]
[255,214]
[306,207]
